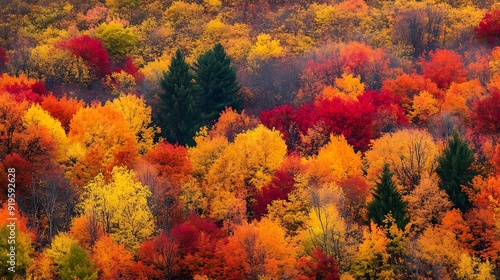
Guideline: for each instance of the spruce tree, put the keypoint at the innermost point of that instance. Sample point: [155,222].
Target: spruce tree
[387,199]
[455,169]
[178,110]
[217,80]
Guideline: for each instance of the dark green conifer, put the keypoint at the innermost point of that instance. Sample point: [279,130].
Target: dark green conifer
[387,199]
[178,110]
[217,81]
[455,169]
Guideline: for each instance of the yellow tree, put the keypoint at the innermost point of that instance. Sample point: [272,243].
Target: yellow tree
[410,154]
[264,48]
[335,162]
[326,226]
[459,97]
[439,247]
[246,165]
[423,108]
[427,204]
[137,115]
[347,87]
[37,116]
[372,258]
[120,206]
[470,268]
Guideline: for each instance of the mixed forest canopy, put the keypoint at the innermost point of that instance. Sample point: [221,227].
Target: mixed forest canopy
[250,139]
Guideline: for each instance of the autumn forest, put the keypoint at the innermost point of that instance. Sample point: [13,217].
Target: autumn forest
[250,139]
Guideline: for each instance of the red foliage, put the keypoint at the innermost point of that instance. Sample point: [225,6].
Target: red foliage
[485,114]
[159,257]
[171,162]
[62,109]
[444,67]
[388,113]
[356,192]
[281,118]
[22,88]
[352,119]
[188,233]
[129,68]
[279,188]
[3,57]
[356,120]
[318,266]
[317,75]
[406,86]
[91,51]
[489,27]
[24,171]
[485,237]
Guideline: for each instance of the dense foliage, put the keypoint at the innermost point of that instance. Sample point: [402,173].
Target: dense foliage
[259,139]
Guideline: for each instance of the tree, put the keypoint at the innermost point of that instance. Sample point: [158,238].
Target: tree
[120,206]
[485,114]
[92,52]
[318,265]
[427,204]
[217,80]
[372,259]
[259,249]
[178,106]
[335,162]
[100,139]
[456,171]
[137,115]
[112,260]
[76,264]
[387,200]
[116,39]
[444,67]
[62,109]
[489,27]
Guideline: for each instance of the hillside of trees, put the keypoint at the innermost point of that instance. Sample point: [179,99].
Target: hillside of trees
[250,139]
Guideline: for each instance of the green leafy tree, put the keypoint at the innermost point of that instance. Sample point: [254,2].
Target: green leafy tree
[455,170]
[77,265]
[178,110]
[217,80]
[387,200]
[118,40]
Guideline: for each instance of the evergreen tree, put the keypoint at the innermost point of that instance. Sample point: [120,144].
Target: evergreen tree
[217,80]
[387,199]
[455,169]
[178,113]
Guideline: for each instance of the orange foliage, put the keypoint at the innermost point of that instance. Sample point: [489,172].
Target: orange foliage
[62,109]
[171,162]
[106,139]
[444,68]
[406,86]
[112,259]
[231,123]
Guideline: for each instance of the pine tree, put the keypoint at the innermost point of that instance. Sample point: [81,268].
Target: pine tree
[217,80]
[178,110]
[455,170]
[387,199]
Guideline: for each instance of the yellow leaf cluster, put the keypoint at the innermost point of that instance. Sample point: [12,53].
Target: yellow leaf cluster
[410,154]
[335,161]
[120,206]
[137,115]
[264,48]
[37,116]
